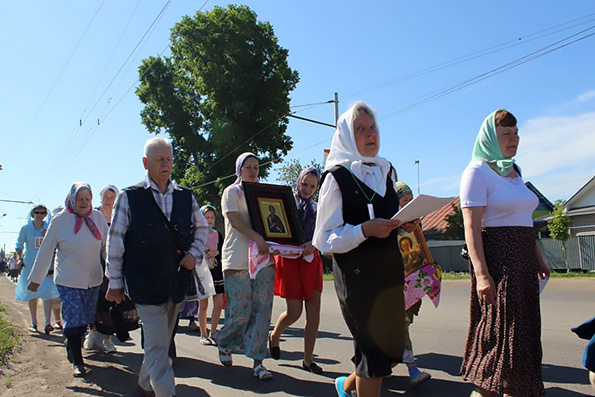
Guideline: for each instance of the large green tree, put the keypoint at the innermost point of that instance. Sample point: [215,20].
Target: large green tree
[223,91]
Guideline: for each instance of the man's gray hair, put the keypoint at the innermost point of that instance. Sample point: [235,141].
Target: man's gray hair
[154,142]
[360,107]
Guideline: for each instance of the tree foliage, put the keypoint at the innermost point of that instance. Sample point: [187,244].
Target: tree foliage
[290,171]
[455,230]
[559,224]
[223,91]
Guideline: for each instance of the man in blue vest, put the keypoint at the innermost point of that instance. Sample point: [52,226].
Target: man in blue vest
[157,236]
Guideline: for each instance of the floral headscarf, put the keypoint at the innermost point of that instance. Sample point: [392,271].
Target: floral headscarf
[70,205]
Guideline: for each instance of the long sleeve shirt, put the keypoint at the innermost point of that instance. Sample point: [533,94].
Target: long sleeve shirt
[78,259]
[121,220]
[332,234]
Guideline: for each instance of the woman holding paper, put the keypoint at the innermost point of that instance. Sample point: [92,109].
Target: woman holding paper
[249,302]
[503,352]
[357,200]
[299,280]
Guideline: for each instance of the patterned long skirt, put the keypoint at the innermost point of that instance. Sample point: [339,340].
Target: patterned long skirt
[503,352]
[78,308]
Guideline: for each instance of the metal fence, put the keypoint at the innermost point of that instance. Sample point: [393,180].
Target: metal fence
[579,254]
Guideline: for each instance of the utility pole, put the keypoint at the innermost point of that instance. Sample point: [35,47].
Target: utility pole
[417,163]
[336,108]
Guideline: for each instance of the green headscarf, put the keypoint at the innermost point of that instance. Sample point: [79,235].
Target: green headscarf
[487,147]
[403,189]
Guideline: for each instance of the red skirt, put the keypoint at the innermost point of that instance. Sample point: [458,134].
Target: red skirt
[298,279]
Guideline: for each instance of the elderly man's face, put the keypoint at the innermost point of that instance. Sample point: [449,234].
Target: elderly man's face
[159,163]
[366,137]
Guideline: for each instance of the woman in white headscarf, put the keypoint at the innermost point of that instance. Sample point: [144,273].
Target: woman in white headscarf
[110,318]
[249,301]
[357,199]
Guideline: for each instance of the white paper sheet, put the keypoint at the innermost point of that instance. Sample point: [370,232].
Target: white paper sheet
[421,206]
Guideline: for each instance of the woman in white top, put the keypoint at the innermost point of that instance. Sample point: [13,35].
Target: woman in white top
[78,234]
[249,303]
[503,352]
[357,200]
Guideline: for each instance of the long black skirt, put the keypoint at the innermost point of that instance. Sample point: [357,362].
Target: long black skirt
[503,352]
[372,303]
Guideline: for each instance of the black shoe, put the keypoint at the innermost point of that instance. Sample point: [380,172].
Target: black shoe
[275,351]
[314,368]
[48,328]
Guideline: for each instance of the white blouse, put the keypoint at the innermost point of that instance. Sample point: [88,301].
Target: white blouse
[235,245]
[78,262]
[332,234]
[507,201]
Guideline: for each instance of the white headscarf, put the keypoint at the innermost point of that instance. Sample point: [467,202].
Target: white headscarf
[344,150]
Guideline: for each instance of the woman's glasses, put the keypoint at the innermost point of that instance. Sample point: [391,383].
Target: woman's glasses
[40,212]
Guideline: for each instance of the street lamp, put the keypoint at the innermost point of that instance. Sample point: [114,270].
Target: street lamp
[417,163]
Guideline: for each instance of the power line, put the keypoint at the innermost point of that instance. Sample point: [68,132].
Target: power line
[14,151]
[510,65]
[497,48]
[110,58]
[86,139]
[79,126]
[16,201]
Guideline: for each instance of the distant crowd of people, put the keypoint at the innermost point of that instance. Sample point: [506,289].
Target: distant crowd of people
[150,256]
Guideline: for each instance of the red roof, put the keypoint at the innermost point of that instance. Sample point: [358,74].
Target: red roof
[435,222]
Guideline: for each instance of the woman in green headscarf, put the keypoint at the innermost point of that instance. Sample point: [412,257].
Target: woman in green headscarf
[503,351]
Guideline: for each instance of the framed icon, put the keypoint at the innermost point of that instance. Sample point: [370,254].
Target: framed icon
[414,250]
[273,213]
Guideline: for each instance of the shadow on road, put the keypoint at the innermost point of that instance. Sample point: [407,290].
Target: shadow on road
[240,379]
[560,374]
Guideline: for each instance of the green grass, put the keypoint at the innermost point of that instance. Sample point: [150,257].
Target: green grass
[8,382]
[9,337]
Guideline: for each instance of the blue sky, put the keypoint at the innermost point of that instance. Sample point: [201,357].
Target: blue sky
[57,68]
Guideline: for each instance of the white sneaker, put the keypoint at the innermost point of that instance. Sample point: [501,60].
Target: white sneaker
[90,340]
[108,346]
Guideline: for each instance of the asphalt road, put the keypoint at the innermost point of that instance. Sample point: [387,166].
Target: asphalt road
[438,338]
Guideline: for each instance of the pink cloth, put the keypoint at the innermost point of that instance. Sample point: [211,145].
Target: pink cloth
[213,240]
[424,281]
[257,261]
